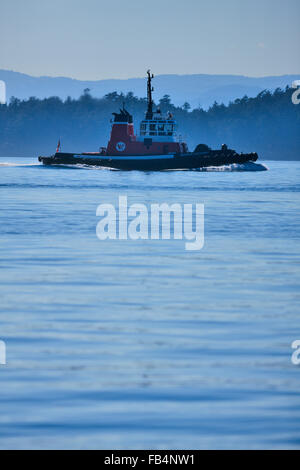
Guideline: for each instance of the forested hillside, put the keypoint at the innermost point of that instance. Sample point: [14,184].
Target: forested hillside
[268,124]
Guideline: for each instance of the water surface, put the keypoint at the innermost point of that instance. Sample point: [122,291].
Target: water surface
[142,344]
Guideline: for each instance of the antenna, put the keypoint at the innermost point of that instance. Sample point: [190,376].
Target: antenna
[149,95]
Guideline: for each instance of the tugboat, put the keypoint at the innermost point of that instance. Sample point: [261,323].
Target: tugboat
[156,147]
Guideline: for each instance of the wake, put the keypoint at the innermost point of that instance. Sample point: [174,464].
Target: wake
[19,164]
[249,166]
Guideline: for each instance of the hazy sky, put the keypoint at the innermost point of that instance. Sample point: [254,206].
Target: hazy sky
[95,39]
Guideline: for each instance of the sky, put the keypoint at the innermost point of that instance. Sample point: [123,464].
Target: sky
[98,39]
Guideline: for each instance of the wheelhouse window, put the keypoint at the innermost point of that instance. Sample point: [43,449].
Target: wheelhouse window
[157,128]
[161,129]
[153,129]
[143,128]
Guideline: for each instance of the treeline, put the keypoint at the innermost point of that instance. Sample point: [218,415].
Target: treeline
[268,124]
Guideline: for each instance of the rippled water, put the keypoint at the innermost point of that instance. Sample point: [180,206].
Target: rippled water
[141,344]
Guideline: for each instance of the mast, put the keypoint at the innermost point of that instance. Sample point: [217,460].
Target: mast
[149,114]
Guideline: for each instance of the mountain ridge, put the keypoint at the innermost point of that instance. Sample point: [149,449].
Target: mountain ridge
[199,90]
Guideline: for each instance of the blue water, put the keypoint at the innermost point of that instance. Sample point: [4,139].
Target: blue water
[142,344]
